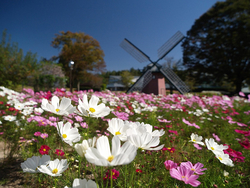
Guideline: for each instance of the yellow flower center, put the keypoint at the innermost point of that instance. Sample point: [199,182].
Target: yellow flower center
[64,136]
[169,148]
[57,110]
[212,148]
[117,133]
[44,149]
[110,158]
[192,169]
[54,171]
[194,140]
[220,158]
[92,110]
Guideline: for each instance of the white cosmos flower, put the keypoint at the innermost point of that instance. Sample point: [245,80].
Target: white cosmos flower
[63,108]
[9,118]
[102,156]
[54,168]
[92,108]
[214,147]
[39,110]
[117,127]
[86,144]
[196,139]
[145,141]
[68,133]
[83,183]
[31,164]
[19,106]
[224,158]
[135,127]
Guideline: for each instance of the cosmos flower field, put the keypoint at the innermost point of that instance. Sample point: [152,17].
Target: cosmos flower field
[113,139]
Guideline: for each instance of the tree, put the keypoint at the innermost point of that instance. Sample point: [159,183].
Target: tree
[48,76]
[15,68]
[126,77]
[81,48]
[217,47]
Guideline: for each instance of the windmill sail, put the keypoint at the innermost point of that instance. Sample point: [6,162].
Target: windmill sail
[141,82]
[170,44]
[175,80]
[134,51]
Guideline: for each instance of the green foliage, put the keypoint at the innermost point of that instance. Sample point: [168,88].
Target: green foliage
[126,77]
[84,51]
[217,48]
[15,67]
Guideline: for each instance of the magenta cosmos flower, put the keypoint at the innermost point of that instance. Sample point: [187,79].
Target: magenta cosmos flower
[185,174]
[170,164]
[197,168]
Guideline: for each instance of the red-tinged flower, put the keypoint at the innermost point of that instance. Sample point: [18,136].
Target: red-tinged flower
[11,109]
[171,131]
[37,133]
[246,133]
[1,102]
[138,170]
[115,174]
[44,150]
[171,150]
[234,155]
[59,152]
[245,143]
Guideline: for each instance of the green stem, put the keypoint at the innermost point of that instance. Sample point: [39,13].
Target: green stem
[111,178]
[102,175]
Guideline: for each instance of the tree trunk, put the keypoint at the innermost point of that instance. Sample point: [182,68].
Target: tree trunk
[78,86]
[238,85]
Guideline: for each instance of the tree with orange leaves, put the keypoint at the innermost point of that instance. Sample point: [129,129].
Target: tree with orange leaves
[83,50]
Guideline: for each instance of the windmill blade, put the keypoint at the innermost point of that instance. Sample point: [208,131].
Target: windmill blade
[141,82]
[170,44]
[175,80]
[134,51]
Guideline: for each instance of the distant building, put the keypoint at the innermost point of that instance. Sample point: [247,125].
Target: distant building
[115,83]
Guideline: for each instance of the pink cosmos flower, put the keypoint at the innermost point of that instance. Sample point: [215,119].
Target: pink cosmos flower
[37,133]
[170,164]
[242,94]
[185,174]
[78,118]
[216,137]
[84,125]
[164,120]
[171,131]
[190,124]
[197,168]
[197,146]
[44,135]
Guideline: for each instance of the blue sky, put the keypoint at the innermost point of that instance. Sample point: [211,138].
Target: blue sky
[146,23]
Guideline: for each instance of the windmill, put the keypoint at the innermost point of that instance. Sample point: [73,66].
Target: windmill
[153,78]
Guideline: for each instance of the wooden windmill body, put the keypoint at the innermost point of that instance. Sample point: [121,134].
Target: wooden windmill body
[153,78]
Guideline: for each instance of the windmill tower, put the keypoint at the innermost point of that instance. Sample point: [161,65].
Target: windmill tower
[153,78]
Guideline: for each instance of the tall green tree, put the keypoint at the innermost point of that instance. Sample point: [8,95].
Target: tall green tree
[15,67]
[217,47]
[83,50]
